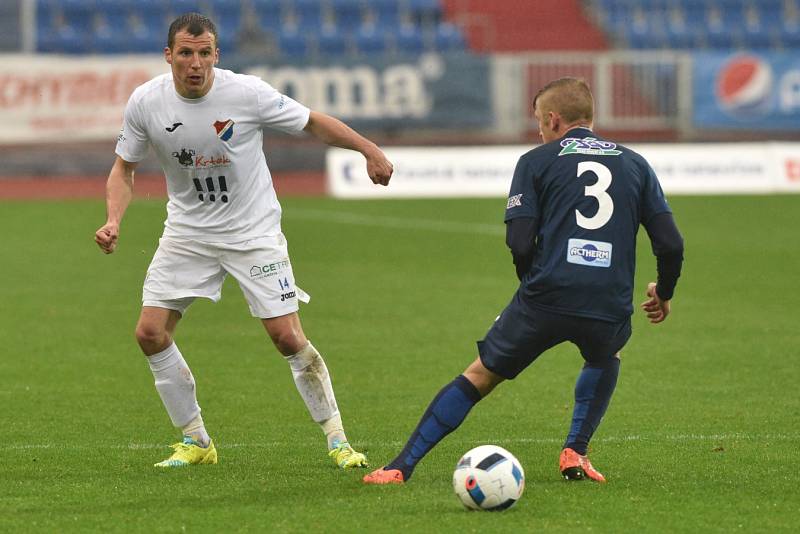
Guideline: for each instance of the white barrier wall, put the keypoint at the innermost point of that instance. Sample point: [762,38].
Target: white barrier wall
[713,168]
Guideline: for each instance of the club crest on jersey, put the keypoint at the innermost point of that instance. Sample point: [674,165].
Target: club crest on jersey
[588,145]
[224,129]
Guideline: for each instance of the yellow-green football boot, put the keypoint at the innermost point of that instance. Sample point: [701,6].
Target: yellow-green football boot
[189,452]
[346,457]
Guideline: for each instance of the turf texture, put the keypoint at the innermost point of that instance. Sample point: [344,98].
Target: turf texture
[700,437]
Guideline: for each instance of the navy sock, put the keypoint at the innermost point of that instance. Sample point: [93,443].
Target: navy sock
[593,392]
[444,414]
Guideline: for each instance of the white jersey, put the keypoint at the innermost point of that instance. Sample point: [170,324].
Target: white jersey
[211,151]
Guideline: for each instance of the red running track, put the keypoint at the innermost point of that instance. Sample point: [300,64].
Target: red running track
[146,186]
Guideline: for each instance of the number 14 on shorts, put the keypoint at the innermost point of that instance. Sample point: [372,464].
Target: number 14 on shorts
[284,283]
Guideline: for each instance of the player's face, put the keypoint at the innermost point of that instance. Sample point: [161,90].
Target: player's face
[192,58]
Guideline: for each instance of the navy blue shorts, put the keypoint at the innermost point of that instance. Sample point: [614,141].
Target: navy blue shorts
[522,333]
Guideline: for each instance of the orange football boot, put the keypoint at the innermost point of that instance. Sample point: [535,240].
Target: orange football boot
[383,476]
[575,466]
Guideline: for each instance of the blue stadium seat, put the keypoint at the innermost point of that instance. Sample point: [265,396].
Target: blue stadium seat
[387,13]
[409,40]
[448,38]
[269,14]
[425,12]
[789,36]
[348,13]
[309,14]
[721,39]
[108,40]
[79,14]
[332,42]
[292,44]
[369,41]
[179,7]
[68,40]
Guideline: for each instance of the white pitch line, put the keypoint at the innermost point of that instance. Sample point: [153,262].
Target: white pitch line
[283,444]
[399,223]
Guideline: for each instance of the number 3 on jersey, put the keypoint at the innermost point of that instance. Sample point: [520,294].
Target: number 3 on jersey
[597,190]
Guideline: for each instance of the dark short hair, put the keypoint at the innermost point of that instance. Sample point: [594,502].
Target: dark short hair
[570,97]
[195,24]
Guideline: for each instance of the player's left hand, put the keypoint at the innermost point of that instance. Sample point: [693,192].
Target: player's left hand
[655,308]
[379,168]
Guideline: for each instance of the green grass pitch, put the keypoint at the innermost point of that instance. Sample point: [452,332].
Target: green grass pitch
[701,435]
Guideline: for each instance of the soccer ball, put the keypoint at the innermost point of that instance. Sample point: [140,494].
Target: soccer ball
[488,478]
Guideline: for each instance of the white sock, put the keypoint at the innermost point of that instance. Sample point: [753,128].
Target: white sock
[314,384]
[175,386]
[334,431]
[196,430]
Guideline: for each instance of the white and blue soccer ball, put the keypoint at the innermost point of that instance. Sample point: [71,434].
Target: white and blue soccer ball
[489,478]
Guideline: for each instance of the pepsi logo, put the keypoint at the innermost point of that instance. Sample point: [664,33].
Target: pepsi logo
[744,86]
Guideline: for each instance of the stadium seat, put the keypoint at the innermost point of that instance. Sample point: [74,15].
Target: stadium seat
[448,38]
[179,7]
[292,43]
[721,39]
[370,40]
[789,37]
[308,13]
[386,12]
[332,42]
[409,40]
[79,15]
[107,39]
[348,13]
[425,12]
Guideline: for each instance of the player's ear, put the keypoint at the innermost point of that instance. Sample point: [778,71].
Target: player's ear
[555,121]
[168,55]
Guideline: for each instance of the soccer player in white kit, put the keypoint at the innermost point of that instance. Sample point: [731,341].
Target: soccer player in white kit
[223,217]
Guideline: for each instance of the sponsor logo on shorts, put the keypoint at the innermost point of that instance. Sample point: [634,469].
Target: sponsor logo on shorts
[589,253]
[287,296]
[270,269]
[513,201]
[588,145]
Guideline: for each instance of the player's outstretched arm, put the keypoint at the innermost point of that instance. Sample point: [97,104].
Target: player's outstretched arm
[655,307]
[119,190]
[334,132]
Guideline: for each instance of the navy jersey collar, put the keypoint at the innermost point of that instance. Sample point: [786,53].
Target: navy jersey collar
[579,132]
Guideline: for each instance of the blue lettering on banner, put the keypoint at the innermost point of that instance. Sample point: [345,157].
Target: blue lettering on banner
[589,253]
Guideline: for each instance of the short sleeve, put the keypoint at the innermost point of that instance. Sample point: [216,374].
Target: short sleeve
[132,142]
[522,199]
[278,111]
[653,199]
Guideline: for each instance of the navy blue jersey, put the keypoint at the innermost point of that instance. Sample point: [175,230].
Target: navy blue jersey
[589,196]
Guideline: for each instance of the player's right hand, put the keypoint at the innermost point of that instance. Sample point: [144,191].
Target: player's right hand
[106,237]
[655,308]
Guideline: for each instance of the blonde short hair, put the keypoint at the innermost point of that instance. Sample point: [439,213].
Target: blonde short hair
[569,97]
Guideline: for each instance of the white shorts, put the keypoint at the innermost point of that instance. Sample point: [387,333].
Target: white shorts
[183,269]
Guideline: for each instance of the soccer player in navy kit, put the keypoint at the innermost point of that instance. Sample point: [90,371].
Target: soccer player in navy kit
[575,206]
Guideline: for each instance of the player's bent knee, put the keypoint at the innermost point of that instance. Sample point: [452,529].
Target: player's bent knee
[152,338]
[288,341]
